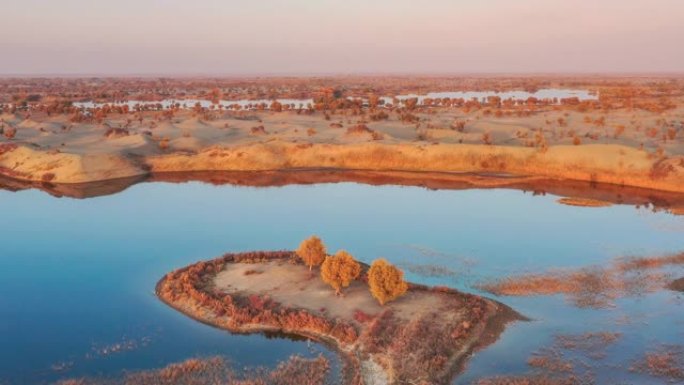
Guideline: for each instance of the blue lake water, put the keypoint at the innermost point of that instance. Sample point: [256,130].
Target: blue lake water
[549,93]
[77,276]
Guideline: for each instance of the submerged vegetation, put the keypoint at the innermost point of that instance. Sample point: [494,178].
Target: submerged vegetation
[217,371]
[594,287]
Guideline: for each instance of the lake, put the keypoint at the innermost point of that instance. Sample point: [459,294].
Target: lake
[481,96]
[77,277]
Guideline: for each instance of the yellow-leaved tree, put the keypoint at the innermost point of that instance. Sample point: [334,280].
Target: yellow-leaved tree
[386,281]
[340,270]
[312,251]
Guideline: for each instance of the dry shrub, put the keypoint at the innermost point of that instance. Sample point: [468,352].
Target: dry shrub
[671,133]
[113,133]
[386,281]
[487,139]
[361,129]
[9,132]
[340,270]
[47,177]
[164,144]
[380,115]
[7,147]
[362,317]
[358,129]
[258,130]
[458,125]
[677,285]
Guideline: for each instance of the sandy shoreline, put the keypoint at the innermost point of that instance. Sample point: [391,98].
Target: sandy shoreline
[360,366]
[609,164]
[614,194]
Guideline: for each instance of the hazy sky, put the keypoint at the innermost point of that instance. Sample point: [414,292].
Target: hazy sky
[339,36]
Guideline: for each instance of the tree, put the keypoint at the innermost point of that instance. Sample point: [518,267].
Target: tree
[386,281]
[340,270]
[312,251]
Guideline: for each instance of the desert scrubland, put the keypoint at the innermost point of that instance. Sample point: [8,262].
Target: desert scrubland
[629,134]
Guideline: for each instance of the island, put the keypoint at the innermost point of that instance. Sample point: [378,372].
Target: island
[423,335]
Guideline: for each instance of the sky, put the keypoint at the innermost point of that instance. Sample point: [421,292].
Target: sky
[248,37]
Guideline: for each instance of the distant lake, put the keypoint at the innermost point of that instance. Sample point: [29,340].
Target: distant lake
[77,277]
[482,96]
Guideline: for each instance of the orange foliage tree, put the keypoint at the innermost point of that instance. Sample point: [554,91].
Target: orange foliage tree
[340,270]
[386,281]
[312,251]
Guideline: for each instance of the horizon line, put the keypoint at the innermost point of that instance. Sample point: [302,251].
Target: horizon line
[217,75]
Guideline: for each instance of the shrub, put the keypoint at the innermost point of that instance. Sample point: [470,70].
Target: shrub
[340,270]
[258,130]
[9,132]
[386,281]
[312,251]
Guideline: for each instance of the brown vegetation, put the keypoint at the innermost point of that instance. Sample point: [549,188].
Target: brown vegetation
[312,251]
[666,362]
[386,281]
[592,287]
[634,125]
[340,270]
[424,336]
[677,285]
[217,371]
[570,360]
[583,202]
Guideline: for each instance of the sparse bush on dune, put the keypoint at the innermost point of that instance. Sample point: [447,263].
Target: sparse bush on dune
[9,132]
[358,129]
[114,132]
[258,130]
